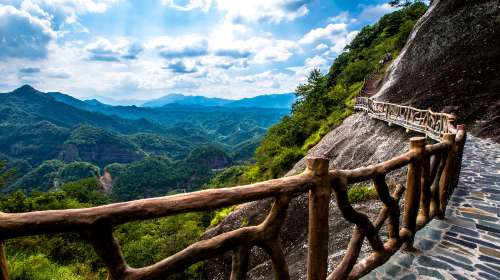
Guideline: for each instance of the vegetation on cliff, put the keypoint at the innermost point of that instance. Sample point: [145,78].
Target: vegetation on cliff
[325,100]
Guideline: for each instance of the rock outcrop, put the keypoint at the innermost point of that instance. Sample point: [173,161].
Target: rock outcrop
[451,63]
[100,154]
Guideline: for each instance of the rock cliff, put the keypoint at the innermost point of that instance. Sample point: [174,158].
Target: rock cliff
[451,63]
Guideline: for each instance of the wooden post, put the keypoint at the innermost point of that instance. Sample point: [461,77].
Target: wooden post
[450,122]
[240,263]
[425,191]
[4,268]
[412,196]
[319,201]
[460,143]
[447,176]
[435,208]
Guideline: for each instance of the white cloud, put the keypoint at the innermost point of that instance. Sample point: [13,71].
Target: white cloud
[273,50]
[103,50]
[343,41]
[340,18]
[263,10]
[57,73]
[315,62]
[336,35]
[374,12]
[331,32]
[321,47]
[22,35]
[190,5]
[80,6]
[64,13]
[185,46]
[179,66]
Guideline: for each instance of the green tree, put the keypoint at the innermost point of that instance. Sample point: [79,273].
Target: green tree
[6,174]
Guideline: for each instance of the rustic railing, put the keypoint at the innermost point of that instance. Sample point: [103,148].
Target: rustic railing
[431,177]
[432,124]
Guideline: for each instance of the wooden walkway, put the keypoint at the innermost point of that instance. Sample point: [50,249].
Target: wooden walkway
[466,244]
[431,124]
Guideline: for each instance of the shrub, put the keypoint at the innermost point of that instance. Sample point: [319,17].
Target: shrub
[39,267]
[221,215]
[359,193]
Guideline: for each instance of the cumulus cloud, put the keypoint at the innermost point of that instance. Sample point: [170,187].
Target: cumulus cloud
[247,11]
[374,12]
[233,52]
[186,46]
[64,13]
[189,5]
[22,35]
[321,47]
[29,70]
[103,50]
[275,51]
[315,62]
[179,67]
[263,10]
[331,32]
[333,38]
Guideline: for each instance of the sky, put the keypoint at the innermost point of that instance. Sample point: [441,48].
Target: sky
[144,49]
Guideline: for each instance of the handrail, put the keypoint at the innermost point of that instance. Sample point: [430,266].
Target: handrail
[432,175]
[433,125]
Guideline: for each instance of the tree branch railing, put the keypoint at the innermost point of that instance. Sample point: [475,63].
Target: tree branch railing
[432,175]
[430,123]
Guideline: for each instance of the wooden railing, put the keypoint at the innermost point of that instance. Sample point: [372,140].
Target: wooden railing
[432,124]
[431,177]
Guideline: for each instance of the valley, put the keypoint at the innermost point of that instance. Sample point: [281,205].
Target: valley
[42,133]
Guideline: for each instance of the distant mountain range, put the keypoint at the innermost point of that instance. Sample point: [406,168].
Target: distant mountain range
[37,126]
[281,101]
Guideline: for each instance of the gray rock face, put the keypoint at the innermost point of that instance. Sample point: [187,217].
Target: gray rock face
[359,141]
[451,63]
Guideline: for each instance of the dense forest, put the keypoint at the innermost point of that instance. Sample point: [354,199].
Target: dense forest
[43,135]
[54,159]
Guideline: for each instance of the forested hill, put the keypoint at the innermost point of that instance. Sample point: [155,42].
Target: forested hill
[43,135]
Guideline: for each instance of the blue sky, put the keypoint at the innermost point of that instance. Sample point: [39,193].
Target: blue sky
[143,49]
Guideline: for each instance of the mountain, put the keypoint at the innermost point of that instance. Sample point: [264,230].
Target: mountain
[284,100]
[69,100]
[27,105]
[275,101]
[181,99]
[96,103]
[37,128]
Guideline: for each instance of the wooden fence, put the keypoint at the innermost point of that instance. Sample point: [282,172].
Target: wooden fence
[432,175]
[432,124]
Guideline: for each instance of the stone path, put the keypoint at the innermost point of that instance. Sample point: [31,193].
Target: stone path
[466,245]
